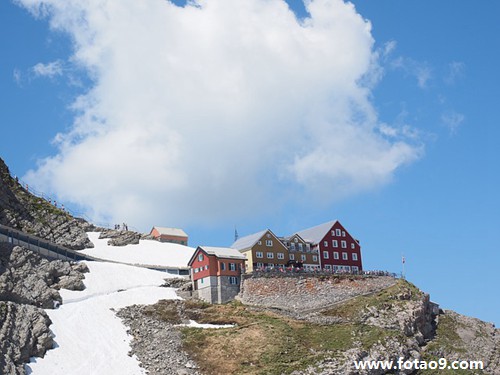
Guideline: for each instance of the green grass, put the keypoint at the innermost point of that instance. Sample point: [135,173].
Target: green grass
[447,338]
[263,342]
[397,294]
[446,341]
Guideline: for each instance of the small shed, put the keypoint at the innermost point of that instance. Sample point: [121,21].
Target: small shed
[174,235]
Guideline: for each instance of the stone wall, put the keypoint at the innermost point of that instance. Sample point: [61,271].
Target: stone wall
[226,291]
[308,292]
[208,290]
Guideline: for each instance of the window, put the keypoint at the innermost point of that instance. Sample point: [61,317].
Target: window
[335,243]
[293,246]
[344,256]
[200,257]
[259,254]
[260,242]
[268,235]
[281,256]
[328,266]
[300,247]
[270,264]
[269,242]
[315,258]
[353,246]
[295,239]
[260,265]
[354,256]
[343,233]
[325,254]
[233,280]
[206,267]
[337,231]
[270,255]
[325,243]
[201,281]
[355,269]
[222,266]
[292,256]
[335,255]
[303,257]
[333,233]
[232,266]
[308,247]
[344,244]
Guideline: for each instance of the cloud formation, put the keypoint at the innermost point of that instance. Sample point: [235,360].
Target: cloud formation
[49,70]
[216,110]
[452,121]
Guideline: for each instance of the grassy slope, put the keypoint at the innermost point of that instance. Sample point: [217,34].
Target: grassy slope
[266,343]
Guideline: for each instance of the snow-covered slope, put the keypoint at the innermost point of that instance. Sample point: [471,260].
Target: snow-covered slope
[90,338]
[147,252]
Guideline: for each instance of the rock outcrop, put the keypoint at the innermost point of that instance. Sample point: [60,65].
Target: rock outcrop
[24,333]
[19,209]
[120,237]
[27,278]
[460,337]
[29,283]
[373,323]
[153,337]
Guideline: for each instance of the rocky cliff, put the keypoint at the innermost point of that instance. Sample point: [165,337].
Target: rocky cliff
[24,211]
[310,325]
[29,283]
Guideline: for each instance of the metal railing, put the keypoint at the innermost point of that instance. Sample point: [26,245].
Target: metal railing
[39,245]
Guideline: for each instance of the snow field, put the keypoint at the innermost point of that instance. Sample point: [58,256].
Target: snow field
[90,339]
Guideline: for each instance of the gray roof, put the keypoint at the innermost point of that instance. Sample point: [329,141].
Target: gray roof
[316,234]
[223,252]
[248,241]
[171,231]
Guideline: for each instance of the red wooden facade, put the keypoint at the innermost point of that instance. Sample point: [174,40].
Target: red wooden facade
[204,265]
[338,249]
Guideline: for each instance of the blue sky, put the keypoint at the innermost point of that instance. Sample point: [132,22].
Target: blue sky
[430,127]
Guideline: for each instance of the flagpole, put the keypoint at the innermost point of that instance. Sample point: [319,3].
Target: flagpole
[403,261]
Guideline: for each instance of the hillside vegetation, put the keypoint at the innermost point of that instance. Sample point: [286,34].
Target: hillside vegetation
[398,321]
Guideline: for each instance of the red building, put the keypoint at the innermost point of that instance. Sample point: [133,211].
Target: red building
[338,250]
[216,273]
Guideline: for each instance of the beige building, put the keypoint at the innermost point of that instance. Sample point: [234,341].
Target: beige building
[262,249]
[301,253]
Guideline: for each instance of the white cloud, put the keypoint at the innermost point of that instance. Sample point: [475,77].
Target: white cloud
[420,70]
[452,120]
[215,110]
[17,76]
[456,70]
[49,70]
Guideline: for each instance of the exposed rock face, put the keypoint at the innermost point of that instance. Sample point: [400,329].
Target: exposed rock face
[154,337]
[21,210]
[24,333]
[120,237]
[29,283]
[27,278]
[461,337]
